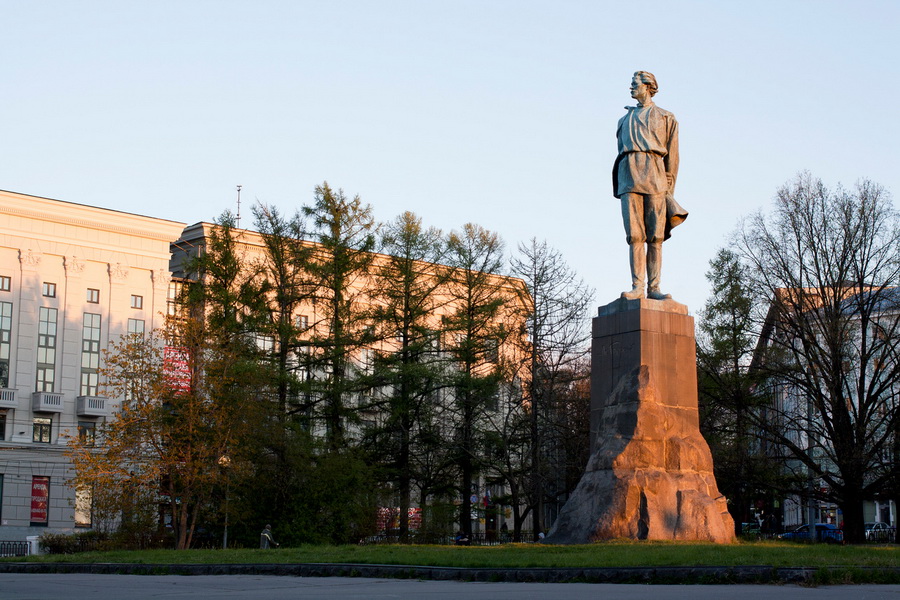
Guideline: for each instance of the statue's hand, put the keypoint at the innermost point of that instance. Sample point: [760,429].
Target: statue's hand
[670,179]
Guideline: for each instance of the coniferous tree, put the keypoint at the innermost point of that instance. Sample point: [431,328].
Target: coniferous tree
[731,394]
[474,333]
[409,368]
[223,338]
[287,286]
[345,231]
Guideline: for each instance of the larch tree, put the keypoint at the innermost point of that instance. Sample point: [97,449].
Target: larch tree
[287,286]
[474,332]
[407,298]
[344,229]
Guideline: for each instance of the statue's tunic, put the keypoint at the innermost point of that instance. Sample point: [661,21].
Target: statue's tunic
[648,150]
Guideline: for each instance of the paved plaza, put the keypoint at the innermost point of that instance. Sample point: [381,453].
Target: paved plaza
[174,587]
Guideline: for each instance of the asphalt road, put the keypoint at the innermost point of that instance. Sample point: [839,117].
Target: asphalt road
[146,587]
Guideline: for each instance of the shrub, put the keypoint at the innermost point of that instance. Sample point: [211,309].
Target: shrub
[65,543]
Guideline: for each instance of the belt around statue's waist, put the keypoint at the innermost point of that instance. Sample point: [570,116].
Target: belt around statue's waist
[654,152]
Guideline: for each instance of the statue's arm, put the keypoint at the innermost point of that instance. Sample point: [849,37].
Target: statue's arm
[671,159]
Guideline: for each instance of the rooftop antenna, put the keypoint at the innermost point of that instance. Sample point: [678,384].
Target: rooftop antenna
[238,219]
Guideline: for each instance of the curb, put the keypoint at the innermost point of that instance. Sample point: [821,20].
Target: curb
[658,575]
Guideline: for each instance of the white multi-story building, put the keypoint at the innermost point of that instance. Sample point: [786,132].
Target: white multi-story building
[73,279]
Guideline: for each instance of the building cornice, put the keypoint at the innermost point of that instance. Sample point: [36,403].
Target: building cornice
[66,213]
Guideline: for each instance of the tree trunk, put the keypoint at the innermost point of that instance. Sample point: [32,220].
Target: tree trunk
[465,508]
[404,482]
[853,516]
[537,488]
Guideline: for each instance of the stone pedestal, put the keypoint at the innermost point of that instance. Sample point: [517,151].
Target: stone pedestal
[650,475]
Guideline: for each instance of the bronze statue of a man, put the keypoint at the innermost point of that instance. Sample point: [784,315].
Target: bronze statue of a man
[644,180]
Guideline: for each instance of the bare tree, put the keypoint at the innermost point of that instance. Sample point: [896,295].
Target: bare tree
[827,263]
[554,309]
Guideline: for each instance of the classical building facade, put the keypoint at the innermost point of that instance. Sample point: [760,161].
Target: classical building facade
[73,279]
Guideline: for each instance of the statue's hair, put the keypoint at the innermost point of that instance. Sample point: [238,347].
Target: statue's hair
[648,79]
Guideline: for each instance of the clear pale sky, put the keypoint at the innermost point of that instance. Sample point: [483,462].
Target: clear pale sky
[501,113]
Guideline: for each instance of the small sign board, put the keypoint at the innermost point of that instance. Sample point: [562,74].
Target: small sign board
[40,500]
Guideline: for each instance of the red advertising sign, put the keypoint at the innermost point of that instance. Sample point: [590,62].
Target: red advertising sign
[176,363]
[40,499]
[389,518]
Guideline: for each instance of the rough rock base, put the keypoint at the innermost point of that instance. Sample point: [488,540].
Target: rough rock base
[650,475]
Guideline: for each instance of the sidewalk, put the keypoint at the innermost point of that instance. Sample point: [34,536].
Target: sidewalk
[654,575]
[233,587]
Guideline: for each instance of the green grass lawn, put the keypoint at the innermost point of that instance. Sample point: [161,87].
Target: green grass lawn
[611,554]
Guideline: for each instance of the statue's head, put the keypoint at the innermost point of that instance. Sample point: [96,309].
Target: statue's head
[647,79]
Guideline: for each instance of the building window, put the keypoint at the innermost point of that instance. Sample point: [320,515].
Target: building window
[173,299]
[46,351]
[136,327]
[301,322]
[5,283]
[87,432]
[40,500]
[367,369]
[42,426]
[367,361]
[298,361]
[93,296]
[493,401]
[492,350]
[49,290]
[1,497]
[5,341]
[2,426]
[265,343]
[90,354]
[137,301]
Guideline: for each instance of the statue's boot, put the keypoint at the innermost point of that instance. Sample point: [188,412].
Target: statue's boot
[654,267]
[638,259]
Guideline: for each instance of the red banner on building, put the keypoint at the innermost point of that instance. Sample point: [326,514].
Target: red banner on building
[177,366]
[40,499]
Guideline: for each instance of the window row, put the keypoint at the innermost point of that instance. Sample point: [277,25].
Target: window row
[42,430]
[48,290]
[45,377]
[92,295]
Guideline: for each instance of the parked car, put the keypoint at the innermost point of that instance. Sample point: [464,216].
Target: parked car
[825,532]
[878,531]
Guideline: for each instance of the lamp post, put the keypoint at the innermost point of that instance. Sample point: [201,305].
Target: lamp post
[225,462]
